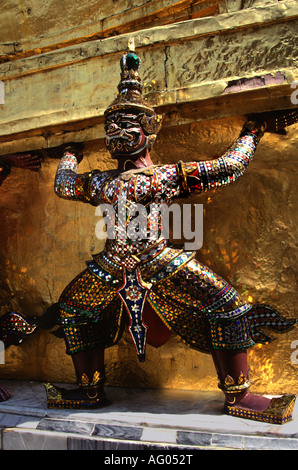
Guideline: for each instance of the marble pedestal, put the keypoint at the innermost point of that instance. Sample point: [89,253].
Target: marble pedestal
[137,419]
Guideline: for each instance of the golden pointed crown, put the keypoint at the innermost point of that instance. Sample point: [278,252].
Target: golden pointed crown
[130,87]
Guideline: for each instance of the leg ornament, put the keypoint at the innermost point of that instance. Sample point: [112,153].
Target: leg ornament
[233,389]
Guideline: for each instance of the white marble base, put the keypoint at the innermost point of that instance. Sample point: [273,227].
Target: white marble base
[137,418]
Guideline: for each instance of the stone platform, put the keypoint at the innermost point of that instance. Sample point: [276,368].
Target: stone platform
[146,420]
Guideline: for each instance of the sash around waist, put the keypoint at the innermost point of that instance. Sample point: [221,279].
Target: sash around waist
[155,266]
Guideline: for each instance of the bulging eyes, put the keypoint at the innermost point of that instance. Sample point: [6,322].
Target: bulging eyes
[110,128]
[126,125]
[113,127]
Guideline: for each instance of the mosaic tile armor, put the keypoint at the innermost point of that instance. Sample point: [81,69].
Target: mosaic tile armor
[140,279]
[194,302]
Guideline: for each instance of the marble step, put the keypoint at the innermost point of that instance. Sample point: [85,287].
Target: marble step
[137,419]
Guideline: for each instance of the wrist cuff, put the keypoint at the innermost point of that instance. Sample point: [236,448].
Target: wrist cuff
[257,129]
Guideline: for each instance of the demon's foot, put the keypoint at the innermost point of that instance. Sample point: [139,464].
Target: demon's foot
[275,410]
[75,398]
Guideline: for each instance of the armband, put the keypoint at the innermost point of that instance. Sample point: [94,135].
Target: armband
[182,178]
[83,186]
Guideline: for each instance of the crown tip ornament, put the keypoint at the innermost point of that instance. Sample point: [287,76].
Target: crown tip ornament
[131,45]
[130,60]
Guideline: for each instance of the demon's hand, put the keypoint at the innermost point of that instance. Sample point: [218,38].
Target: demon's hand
[26,161]
[276,121]
[75,148]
